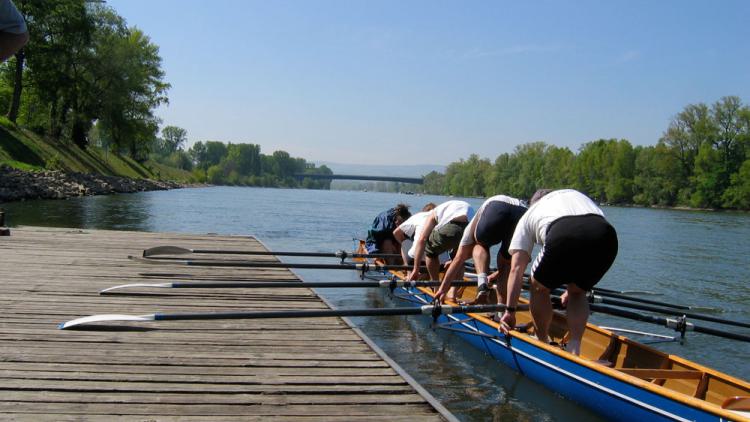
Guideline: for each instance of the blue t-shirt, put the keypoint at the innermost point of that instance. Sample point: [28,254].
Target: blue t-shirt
[382,228]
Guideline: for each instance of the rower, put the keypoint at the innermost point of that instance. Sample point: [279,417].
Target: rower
[442,232]
[493,224]
[578,247]
[380,235]
[409,232]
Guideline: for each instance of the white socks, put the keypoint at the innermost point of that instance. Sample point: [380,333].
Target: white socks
[481,280]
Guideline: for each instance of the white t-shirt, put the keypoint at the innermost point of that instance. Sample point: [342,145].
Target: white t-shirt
[468,237]
[413,227]
[532,228]
[450,210]
[414,224]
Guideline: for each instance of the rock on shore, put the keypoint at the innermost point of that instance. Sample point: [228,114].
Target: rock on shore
[16,185]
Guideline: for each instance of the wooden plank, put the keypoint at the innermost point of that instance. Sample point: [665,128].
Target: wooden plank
[383,410]
[43,417]
[662,373]
[241,399]
[313,369]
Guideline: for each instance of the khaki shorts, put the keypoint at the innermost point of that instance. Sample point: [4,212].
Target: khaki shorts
[444,239]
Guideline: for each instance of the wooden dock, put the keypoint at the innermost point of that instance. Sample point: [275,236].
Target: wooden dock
[308,370]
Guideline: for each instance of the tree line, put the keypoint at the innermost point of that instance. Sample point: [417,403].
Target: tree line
[702,160]
[87,78]
[84,68]
[240,164]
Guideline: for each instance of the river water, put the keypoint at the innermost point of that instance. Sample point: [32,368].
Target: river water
[689,257]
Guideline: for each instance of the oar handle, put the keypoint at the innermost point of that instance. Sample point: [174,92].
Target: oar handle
[702,317]
[315,313]
[666,322]
[636,299]
[719,333]
[302,284]
[290,314]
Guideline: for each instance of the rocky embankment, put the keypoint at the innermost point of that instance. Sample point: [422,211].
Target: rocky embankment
[17,185]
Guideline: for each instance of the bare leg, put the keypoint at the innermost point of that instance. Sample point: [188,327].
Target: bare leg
[578,315]
[433,267]
[541,310]
[456,292]
[481,257]
[390,247]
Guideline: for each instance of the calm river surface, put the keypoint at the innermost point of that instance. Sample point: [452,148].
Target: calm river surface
[697,258]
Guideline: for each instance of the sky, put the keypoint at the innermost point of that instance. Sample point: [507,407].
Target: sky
[431,82]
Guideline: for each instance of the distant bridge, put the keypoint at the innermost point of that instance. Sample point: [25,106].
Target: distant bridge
[414,180]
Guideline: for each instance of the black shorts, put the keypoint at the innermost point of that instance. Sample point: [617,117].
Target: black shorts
[578,249]
[497,224]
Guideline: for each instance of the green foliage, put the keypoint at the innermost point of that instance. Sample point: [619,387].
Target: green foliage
[244,165]
[173,138]
[85,66]
[25,150]
[738,194]
[700,161]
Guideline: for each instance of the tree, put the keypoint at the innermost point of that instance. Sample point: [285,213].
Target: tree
[686,133]
[173,138]
[738,194]
[134,88]
[707,178]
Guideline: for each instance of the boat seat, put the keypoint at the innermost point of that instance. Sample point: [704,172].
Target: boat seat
[602,362]
[741,403]
[662,373]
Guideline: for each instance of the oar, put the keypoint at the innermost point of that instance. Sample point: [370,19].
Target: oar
[615,302]
[316,313]
[390,284]
[619,295]
[676,324]
[625,292]
[177,250]
[247,264]
[608,293]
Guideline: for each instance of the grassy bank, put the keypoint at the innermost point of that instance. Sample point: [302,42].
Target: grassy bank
[25,150]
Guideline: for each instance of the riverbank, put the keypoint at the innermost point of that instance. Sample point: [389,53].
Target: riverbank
[19,185]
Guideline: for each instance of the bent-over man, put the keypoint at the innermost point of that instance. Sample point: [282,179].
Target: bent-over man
[493,224]
[441,232]
[380,235]
[578,247]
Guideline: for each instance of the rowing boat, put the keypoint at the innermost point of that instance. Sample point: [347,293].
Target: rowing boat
[615,376]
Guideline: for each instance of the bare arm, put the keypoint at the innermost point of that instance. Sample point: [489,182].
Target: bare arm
[519,261]
[464,252]
[400,237]
[419,244]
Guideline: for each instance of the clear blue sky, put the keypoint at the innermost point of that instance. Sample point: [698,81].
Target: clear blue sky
[429,82]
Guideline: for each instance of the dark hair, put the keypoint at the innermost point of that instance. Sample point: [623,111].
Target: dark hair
[539,194]
[401,210]
[429,206]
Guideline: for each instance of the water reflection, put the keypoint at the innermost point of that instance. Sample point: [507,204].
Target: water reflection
[113,212]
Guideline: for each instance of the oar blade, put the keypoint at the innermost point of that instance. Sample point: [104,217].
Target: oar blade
[128,286]
[105,318]
[166,250]
[156,261]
